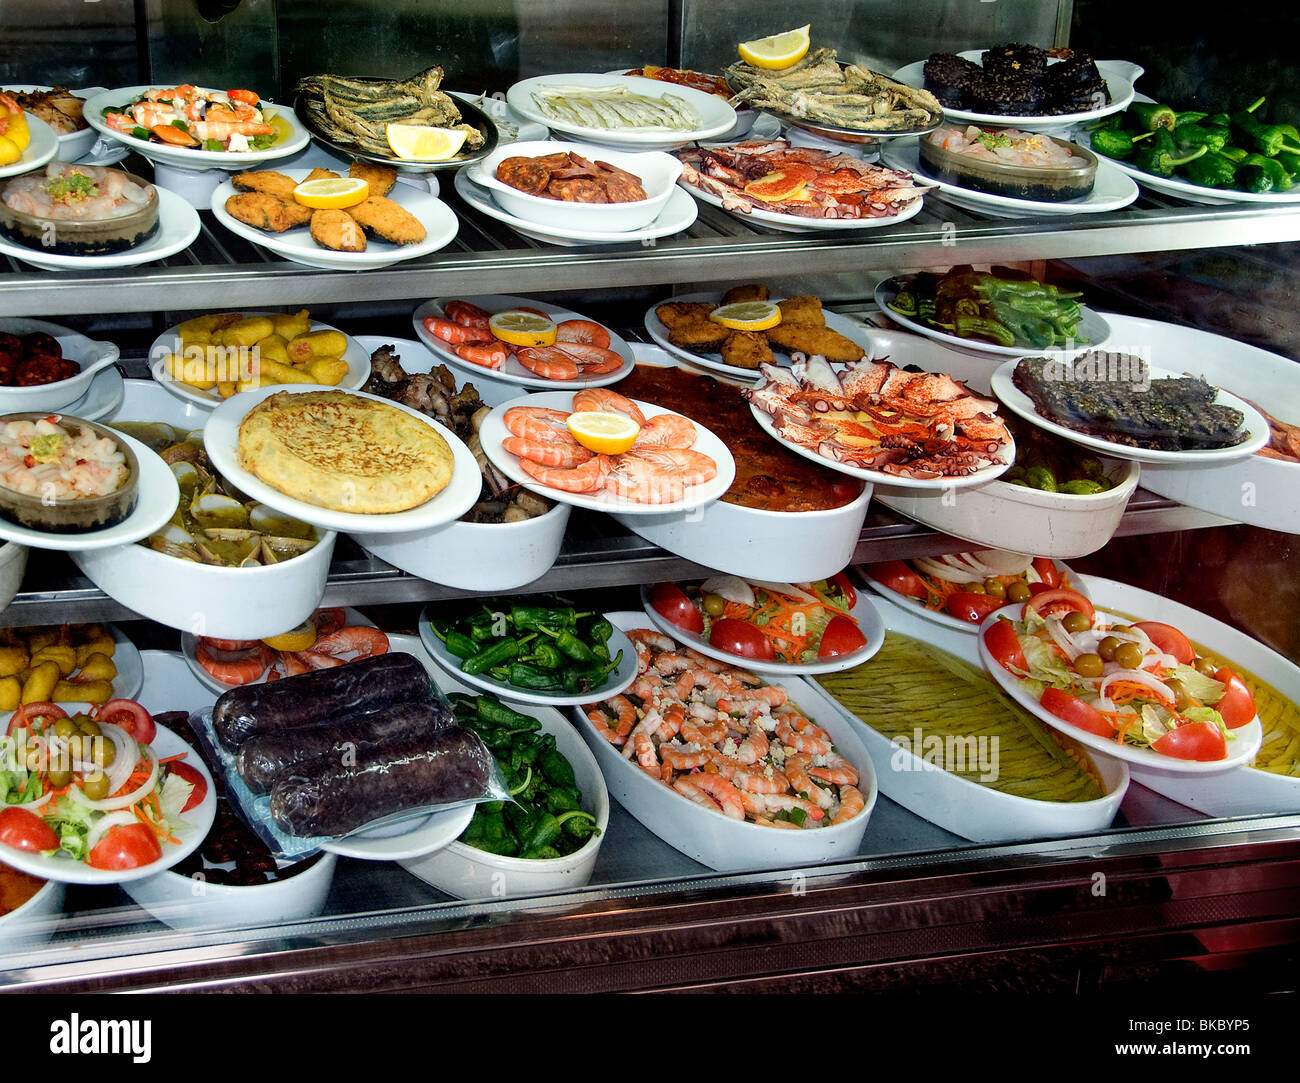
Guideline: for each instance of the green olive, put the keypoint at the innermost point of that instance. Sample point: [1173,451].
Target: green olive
[32,760]
[59,776]
[975,588]
[1107,648]
[102,752]
[715,605]
[1075,621]
[1128,655]
[65,727]
[1204,665]
[1181,699]
[1019,592]
[89,727]
[74,747]
[95,785]
[995,588]
[1089,665]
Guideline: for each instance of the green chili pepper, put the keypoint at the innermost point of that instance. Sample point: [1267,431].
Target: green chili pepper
[1254,135]
[574,647]
[557,769]
[1041,478]
[1188,136]
[579,824]
[493,711]
[1082,487]
[558,801]
[1212,171]
[1257,173]
[523,675]
[599,630]
[546,655]
[494,654]
[977,326]
[1161,156]
[1189,116]
[1148,116]
[541,853]
[584,678]
[1116,143]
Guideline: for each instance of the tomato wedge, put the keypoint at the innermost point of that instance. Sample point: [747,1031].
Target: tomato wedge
[125,846]
[194,777]
[671,603]
[896,576]
[1059,601]
[131,717]
[1003,643]
[842,636]
[840,580]
[1169,639]
[1073,710]
[1047,572]
[24,830]
[1203,741]
[971,607]
[1237,707]
[735,636]
[22,718]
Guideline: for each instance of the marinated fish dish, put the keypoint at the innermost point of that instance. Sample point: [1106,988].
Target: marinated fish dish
[78,193]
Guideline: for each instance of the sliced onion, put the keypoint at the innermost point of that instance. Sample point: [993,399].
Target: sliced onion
[1137,676]
[39,802]
[947,572]
[126,755]
[730,587]
[789,590]
[126,800]
[1003,561]
[1062,638]
[105,823]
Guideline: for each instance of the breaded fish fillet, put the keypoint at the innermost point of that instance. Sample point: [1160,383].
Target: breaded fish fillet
[754,291]
[321,174]
[804,310]
[391,221]
[336,229]
[381,178]
[262,211]
[747,350]
[679,313]
[809,339]
[268,181]
[703,335]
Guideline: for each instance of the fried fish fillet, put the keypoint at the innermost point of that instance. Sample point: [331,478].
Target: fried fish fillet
[802,310]
[262,211]
[747,350]
[754,291]
[679,313]
[810,339]
[268,181]
[704,335]
[381,178]
[322,174]
[391,221]
[336,229]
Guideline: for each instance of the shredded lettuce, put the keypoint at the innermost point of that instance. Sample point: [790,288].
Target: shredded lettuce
[1201,688]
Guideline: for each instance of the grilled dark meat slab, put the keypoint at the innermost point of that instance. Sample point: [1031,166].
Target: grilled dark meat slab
[1111,396]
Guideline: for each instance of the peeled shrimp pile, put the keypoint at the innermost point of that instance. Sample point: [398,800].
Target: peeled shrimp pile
[102,194]
[656,470]
[722,738]
[1009,147]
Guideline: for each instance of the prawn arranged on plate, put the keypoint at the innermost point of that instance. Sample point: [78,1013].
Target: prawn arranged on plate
[326,637]
[656,468]
[188,116]
[724,739]
[568,350]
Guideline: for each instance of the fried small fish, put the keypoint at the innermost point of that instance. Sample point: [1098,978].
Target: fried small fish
[381,178]
[803,310]
[262,211]
[391,221]
[268,181]
[336,229]
[754,291]
[810,339]
[747,350]
[680,313]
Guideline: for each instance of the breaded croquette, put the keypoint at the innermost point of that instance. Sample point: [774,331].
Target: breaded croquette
[754,291]
[747,350]
[336,229]
[262,211]
[679,313]
[381,178]
[810,339]
[268,181]
[321,174]
[804,310]
[388,220]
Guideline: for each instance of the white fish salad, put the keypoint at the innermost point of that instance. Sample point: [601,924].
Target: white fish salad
[77,193]
[615,107]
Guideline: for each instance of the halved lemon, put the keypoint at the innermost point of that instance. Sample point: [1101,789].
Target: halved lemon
[522,328]
[777,51]
[417,142]
[747,315]
[606,433]
[296,639]
[332,192]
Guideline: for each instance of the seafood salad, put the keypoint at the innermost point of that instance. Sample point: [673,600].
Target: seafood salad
[78,193]
[59,462]
[724,739]
[1007,146]
[187,116]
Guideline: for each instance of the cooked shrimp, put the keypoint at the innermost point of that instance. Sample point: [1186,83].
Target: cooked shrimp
[537,423]
[851,803]
[593,360]
[618,709]
[603,400]
[587,331]
[548,453]
[683,757]
[469,315]
[548,362]
[796,770]
[357,640]
[799,733]
[457,334]
[835,769]
[659,475]
[587,478]
[243,668]
[666,430]
[490,356]
[717,790]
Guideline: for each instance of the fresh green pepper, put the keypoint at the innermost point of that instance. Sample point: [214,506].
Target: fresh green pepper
[1041,478]
[574,647]
[583,678]
[1236,154]
[1257,173]
[1290,161]
[1254,135]
[1115,143]
[565,800]
[1148,116]
[523,675]
[546,655]
[557,769]
[1082,487]
[541,853]
[578,824]
[1211,171]
[1188,136]
[599,630]
[496,713]
[493,654]
[1161,156]
[1189,116]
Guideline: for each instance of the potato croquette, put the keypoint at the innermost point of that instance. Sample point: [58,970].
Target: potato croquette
[381,178]
[268,181]
[336,229]
[679,313]
[809,339]
[262,211]
[747,350]
[804,310]
[388,220]
[754,291]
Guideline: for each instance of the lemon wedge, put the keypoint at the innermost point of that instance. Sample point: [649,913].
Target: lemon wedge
[10,151]
[416,142]
[296,639]
[331,192]
[17,131]
[605,433]
[777,51]
[522,328]
[747,315]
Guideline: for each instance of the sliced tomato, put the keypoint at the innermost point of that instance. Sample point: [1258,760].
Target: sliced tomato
[842,636]
[1047,571]
[1237,707]
[671,603]
[1003,643]
[971,607]
[1169,639]
[194,777]
[1058,601]
[24,830]
[131,717]
[841,581]
[896,576]
[740,637]
[1202,741]
[1073,710]
[28,712]
[125,846]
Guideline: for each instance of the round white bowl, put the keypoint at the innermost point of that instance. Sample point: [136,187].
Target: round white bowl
[476,556]
[88,353]
[469,873]
[33,922]
[13,563]
[191,905]
[657,171]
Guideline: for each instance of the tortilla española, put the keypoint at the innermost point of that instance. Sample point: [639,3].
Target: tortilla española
[344,452]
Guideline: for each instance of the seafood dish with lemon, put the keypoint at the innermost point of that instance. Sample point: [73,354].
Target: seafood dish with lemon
[567,350]
[775,176]
[607,444]
[727,741]
[876,416]
[323,641]
[196,119]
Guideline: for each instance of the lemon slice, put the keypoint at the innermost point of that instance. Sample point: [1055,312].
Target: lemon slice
[778,51]
[332,192]
[747,315]
[416,142]
[296,639]
[522,328]
[606,433]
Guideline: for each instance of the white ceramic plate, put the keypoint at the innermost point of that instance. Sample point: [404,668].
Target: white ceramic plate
[512,372]
[618,680]
[716,116]
[102,397]
[42,145]
[178,225]
[511,127]
[1110,191]
[183,157]
[863,612]
[1120,75]
[158,496]
[76,144]
[357,357]
[221,438]
[1092,325]
[199,819]
[296,245]
[794,223]
[713,361]
[1199,628]
[678,214]
[1018,402]
[938,616]
[493,431]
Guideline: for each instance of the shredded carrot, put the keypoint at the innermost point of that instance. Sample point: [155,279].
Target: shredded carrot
[169,759]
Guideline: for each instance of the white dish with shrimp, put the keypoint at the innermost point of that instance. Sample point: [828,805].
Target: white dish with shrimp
[719,841]
[512,371]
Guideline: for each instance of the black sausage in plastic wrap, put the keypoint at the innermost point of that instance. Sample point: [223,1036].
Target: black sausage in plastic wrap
[363,686]
[264,758]
[405,773]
